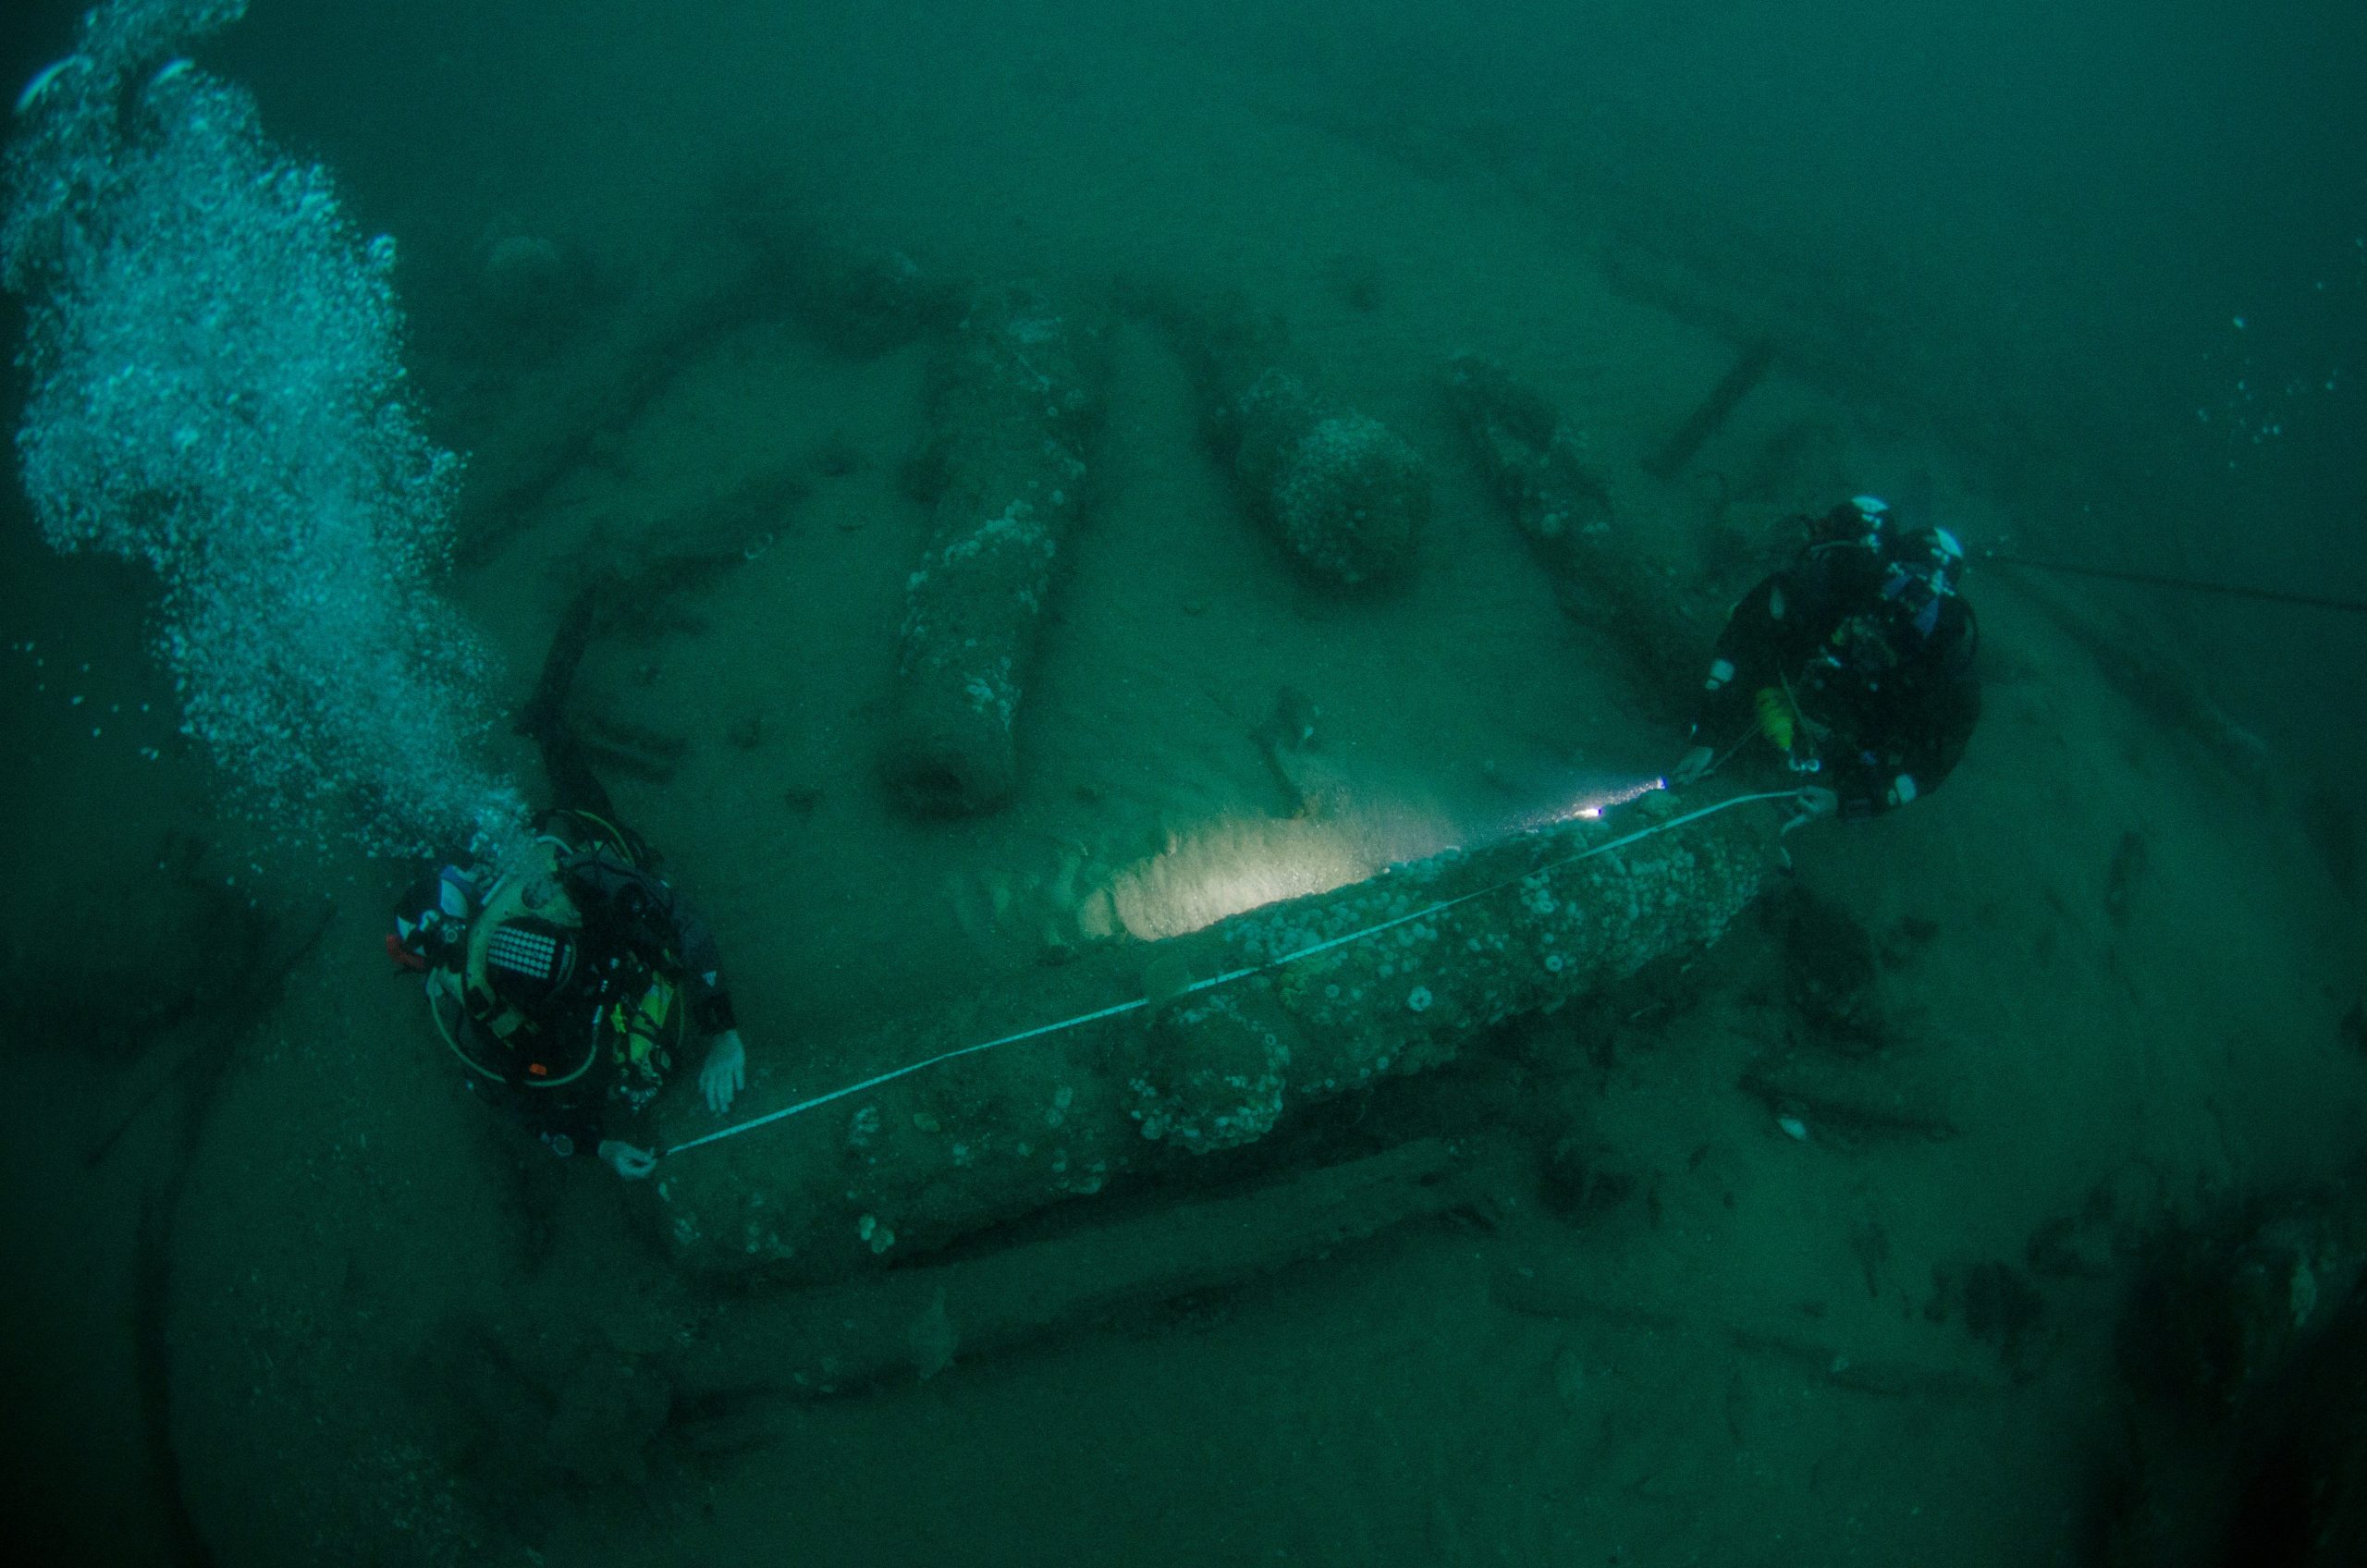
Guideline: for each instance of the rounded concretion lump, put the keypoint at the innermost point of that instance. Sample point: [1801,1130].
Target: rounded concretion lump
[1351,498]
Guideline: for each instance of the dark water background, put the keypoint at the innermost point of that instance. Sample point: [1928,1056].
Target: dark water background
[2043,216]
[2039,220]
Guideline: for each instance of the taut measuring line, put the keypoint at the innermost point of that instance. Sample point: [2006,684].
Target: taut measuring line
[2191,585]
[1228,977]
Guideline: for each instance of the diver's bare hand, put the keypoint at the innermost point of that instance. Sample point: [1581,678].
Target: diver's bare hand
[1693,765]
[726,1073]
[1812,804]
[626,1160]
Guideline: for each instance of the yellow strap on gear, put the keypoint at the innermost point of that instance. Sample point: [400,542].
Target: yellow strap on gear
[641,1028]
[1778,720]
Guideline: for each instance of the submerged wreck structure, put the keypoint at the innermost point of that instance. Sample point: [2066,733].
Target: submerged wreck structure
[1139,1058]
[1016,397]
[1532,461]
[1342,494]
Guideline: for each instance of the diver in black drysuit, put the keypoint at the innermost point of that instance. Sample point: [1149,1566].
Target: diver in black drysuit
[1853,666]
[567,983]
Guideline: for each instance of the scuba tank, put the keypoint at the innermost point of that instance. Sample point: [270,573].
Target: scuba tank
[549,983]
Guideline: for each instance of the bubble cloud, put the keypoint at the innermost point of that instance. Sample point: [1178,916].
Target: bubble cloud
[217,387]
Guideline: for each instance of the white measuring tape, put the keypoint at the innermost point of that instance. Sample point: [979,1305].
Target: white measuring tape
[1227,978]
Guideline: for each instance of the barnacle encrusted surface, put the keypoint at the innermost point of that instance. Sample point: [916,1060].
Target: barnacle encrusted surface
[1343,493]
[1012,414]
[1390,975]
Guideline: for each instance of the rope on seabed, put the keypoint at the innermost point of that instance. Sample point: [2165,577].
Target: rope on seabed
[1227,978]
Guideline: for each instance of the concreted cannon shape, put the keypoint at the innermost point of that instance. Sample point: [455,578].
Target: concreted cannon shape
[1138,1058]
[1533,463]
[1344,495]
[1016,396]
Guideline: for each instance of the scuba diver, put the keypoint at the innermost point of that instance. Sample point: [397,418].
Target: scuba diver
[1853,663]
[569,980]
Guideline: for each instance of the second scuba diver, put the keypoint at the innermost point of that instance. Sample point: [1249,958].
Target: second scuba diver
[1853,666]
[569,981]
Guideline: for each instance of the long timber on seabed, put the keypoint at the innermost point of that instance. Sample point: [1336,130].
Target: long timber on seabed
[1201,1042]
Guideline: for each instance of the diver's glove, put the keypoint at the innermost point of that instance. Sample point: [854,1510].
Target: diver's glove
[627,1162]
[1694,765]
[1811,803]
[726,1073]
